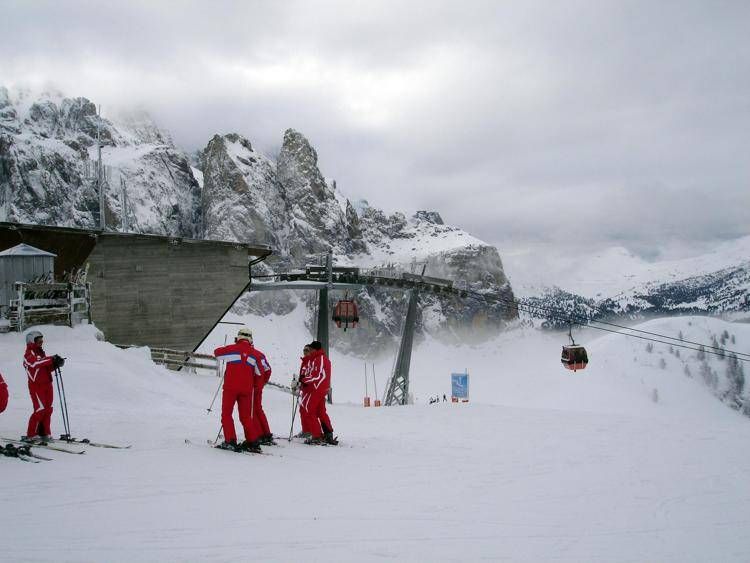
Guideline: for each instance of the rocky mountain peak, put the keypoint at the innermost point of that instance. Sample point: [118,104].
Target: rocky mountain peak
[241,199]
[298,171]
[429,217]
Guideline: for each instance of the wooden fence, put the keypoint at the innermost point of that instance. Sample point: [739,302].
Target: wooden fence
[49,303]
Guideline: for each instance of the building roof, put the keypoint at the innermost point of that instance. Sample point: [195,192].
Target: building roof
[25,250]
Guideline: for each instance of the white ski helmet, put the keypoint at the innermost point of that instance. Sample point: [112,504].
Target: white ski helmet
[32,335]
[244,334]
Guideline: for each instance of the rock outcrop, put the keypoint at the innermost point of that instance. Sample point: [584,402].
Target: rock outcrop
[48,167]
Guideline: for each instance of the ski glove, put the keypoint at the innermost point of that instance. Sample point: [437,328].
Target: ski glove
[57,361]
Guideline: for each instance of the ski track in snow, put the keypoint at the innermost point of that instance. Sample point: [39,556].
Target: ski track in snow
[542,465]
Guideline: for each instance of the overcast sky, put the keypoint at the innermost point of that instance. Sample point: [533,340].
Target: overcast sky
[527,123]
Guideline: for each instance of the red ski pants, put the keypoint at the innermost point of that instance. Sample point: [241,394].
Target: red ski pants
[312,412]
[42,397]
[258,412]
[3,395]
[244,402]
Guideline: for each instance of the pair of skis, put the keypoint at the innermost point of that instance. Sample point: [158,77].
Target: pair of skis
[87,442]
[210,444]
[23,453]
[47,445]
[63,444]
[308,442]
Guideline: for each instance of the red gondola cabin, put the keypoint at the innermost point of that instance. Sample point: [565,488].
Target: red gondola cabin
[574,357]
[345,313]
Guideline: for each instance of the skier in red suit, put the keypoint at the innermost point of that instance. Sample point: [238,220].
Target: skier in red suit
[39,369]
[243,370]
[3,394]
[315,381]
[297,388]
[266,436]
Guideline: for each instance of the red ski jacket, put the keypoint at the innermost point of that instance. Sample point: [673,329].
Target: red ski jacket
[37,364]
[246,366]
[316,371]
[3,394]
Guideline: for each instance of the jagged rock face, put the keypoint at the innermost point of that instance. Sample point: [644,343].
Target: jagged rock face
[48,174]
[242,200]
[430,217]
[287,204]
[317,219]
[379,229]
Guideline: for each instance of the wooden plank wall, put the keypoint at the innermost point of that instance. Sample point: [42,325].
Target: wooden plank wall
[162,294]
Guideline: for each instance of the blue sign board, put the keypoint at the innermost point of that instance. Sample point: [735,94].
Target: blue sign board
[460,385]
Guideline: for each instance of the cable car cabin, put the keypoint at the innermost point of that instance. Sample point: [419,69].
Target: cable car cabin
[345,313]
[574,357]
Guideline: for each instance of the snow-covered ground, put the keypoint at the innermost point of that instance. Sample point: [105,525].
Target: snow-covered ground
[541,465]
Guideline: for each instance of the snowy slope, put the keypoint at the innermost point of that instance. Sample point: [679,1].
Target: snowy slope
[542,465]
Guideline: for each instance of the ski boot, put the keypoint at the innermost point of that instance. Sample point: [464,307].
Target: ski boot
[330,439]
[29,439]
[267,440]
[9,450]
[313,441]
[231,446]
[303,435]
[252,447]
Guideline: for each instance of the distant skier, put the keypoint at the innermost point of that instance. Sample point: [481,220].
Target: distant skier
[243,371]
[445,400]
[3,394]
[39,369]
[315,381]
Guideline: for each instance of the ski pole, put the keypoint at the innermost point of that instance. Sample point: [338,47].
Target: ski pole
[59,396]
[295,402]
[217,435]
[63,403]
[221,381]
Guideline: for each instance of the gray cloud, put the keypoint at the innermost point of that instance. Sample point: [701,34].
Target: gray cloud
[593,122]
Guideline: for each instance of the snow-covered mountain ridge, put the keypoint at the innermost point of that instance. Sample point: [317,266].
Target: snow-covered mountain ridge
[615,283]
[603,273]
